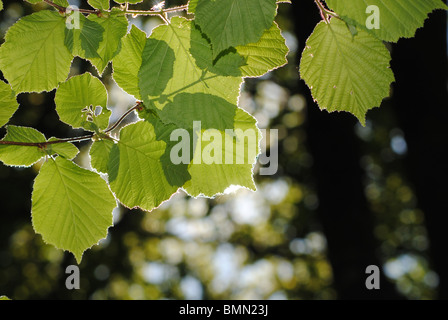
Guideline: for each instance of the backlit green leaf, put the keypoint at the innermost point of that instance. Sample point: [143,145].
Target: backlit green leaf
[115,27]
[128,61]
[192,6]
[81,102]
[46,60]
[221,140]
[85,40]
[66,149]
[100,154]
[227,64]
[212,111]
[23,156]
[134,168]
[266,54]
[99,4]
[71,206]
[186,76]
[346,73]
[397,18]
[224,158]
[8,103]
[201,93]
[63,3]
[230,23]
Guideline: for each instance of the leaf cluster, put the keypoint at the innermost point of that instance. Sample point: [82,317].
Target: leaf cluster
[186,78]
[188,71]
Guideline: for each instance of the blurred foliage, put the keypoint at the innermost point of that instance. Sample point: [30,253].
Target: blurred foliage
[244,245]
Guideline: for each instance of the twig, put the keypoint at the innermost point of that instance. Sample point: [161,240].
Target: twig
[125,10]
[137,106]
[159,12]
[74,139]
[64,9]
[45,143]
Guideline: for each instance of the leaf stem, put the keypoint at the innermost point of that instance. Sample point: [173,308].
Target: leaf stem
[64,9]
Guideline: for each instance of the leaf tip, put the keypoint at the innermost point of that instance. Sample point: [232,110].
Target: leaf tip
[362,120]
[78,256]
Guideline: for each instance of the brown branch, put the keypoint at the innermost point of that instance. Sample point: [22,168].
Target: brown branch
[45,143]
[160,12]
[89,136]
[64,9]
[175,9]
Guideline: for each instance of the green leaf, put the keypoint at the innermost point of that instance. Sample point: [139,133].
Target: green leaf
[192,6]
[85,40]
[8,103]
[230,23]
[223,143]
[201,91]
[128,61]
[115,27]
[63,3]
[1,8]
[265,55]
[3,297]
[46,60]
[212,111]
[224,158]
[17,155]
[134,168]
[227,64]
[66,149]
[175,173]
[100,154]
[99,4]
[187,75]
[23,156]
[397,19]
[352,29]
[346,73]
[193,3]
[71,207]
[77,100]
[157,67]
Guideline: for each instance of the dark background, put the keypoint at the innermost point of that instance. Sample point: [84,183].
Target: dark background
[344,197]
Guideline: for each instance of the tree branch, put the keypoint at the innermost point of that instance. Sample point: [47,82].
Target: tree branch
[159,12]
[89,136]
[45,143]
[64,9]
[125,10]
